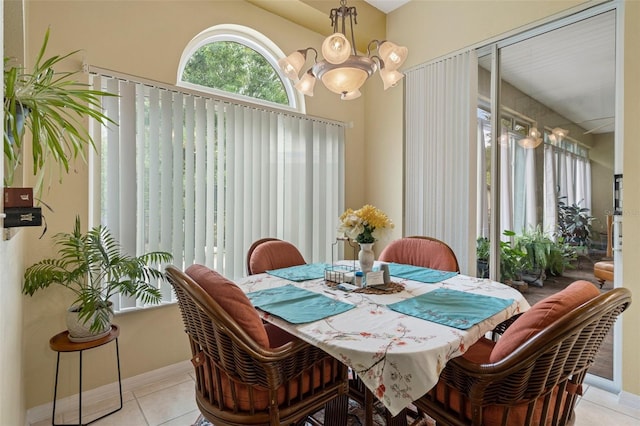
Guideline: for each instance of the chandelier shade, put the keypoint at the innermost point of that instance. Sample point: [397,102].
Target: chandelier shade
[390,78]
[558,134]
[342,70]
[305,84]
[292,64]
[533,140]
[336,48]
[392,55]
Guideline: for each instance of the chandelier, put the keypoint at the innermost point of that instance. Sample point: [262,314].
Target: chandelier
[342,70]
[533,139]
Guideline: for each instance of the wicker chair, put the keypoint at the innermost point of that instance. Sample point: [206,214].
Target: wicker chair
[271,253]
[536,383]
[421,251]
[241,382]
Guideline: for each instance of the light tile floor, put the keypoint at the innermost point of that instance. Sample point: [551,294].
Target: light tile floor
[170,402]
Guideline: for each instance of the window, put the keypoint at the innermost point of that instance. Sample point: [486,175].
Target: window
[238,62]
[203,178]
[235,68]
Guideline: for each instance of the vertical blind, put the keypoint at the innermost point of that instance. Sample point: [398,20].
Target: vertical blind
[440,154]
[203,177]
[567,179]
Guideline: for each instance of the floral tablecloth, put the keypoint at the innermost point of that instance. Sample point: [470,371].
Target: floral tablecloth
[397,356]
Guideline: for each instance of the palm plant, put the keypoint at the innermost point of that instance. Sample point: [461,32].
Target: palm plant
[52,106]
[93,267]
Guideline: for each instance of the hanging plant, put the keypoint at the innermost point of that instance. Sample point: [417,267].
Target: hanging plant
[53,106]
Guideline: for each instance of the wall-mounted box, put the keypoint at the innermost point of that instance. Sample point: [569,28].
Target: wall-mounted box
[617,194]
[22,216]
[18,197]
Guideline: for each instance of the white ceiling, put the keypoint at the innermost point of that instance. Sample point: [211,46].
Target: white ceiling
[387,5]
[570,70]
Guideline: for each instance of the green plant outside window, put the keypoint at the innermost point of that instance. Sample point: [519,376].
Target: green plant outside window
[235,68]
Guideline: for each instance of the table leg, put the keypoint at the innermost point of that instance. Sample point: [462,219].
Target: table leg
[368,407]
[80,393]
[55,392]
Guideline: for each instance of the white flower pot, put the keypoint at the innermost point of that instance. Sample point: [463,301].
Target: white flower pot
[79,331]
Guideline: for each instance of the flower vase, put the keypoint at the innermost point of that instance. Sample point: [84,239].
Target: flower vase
[366,257]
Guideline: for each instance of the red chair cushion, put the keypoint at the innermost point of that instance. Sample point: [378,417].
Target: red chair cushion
[258,398]
[492,414]
[541,315]
[479,353]
[420,252]
[274,254]
[232,299]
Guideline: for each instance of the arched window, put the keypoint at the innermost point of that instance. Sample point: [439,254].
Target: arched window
[241,63]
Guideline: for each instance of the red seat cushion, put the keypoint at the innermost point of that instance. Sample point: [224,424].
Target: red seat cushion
[232,299]
[274,254]
[420,252]
[479,353]
[258,398]
[541,315]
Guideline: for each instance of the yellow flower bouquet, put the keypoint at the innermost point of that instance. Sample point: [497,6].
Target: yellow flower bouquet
[365,225]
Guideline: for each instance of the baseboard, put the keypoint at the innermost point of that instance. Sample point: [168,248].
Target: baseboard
[629,399]
[43,412]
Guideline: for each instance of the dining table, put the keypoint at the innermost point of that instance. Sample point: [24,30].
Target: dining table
[397,337]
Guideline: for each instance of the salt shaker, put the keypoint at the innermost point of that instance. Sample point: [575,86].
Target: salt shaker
[385,273]
[358,278]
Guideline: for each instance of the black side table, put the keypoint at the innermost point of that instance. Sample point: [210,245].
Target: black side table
[61,343]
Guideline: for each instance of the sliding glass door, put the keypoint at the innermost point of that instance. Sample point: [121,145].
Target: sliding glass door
[546,155]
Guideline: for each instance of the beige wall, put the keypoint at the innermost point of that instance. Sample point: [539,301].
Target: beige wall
[601,155]
[631,214]
[131,37]
[431,29]
[134,38]
[12,403]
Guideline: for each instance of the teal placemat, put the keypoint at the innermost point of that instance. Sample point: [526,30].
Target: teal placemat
[418,273]
[451,307]
[309,271]
[297,305]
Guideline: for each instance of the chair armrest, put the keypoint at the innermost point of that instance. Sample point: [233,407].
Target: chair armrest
[502,327]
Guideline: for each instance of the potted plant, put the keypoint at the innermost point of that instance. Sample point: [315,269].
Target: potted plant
[574,224]
[536,246]
[483,248]
[94,268]
[512,260]
[53,106]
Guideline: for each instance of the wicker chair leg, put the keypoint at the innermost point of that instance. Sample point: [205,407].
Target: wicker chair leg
[336,411]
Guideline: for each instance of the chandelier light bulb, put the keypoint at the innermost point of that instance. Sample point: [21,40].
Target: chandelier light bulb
[390,77]
[292,64]
[336,48]
[559,133]
[306,84]
[392,55]
[534,133]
